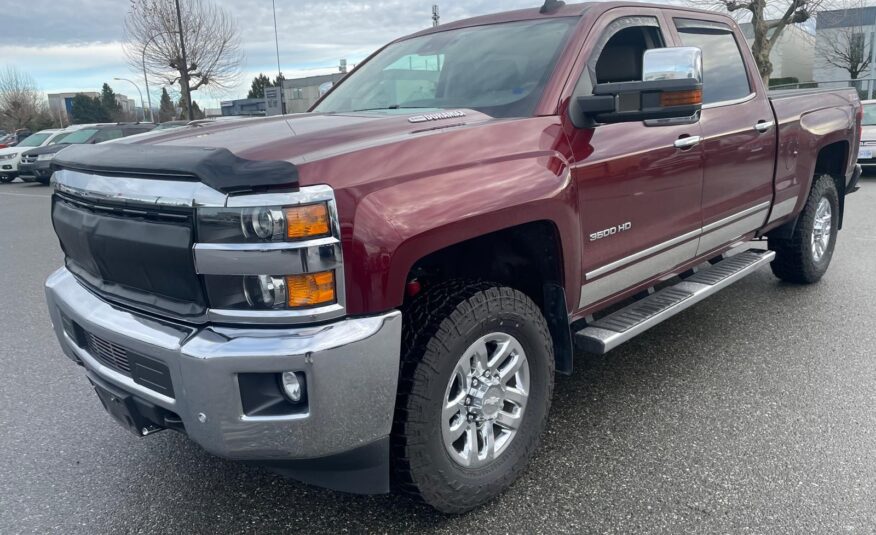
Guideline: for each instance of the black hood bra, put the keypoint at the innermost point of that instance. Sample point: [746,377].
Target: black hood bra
[218,168]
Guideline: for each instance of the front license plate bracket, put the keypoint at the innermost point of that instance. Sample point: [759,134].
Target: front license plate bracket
[122,408]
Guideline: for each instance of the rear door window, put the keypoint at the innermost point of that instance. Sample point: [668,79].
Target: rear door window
[107,134]
[724,74]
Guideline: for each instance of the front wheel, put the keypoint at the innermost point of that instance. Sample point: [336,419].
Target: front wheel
[805,256]
[6,179]
[475,389]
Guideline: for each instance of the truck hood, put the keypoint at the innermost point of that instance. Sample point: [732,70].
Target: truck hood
[48,149]
[309,137]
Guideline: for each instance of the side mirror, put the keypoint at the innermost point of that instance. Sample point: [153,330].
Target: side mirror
[671,91]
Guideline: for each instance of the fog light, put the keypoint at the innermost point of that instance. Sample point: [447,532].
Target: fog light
[291,386]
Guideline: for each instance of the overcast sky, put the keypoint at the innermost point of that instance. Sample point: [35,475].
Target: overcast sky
[75,45]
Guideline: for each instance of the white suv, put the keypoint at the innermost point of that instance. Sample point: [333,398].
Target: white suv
[11,156]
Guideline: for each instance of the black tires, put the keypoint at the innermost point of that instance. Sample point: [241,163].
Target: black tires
[804,257]
[474,393]
[5,179]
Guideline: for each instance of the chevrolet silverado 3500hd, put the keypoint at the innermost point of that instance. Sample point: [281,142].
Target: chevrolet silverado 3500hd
[377,294]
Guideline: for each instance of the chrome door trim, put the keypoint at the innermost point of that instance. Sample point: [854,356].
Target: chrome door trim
[783,208]
[625,278]
[733,102]
[642,254]
[669,254]
[738,215]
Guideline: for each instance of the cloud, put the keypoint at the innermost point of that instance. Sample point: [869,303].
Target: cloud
[76,44]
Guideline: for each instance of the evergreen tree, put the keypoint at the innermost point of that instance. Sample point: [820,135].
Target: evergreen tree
[196,111]
[87,109]
[166,110]
[278,81]
[259,83]
[109,103]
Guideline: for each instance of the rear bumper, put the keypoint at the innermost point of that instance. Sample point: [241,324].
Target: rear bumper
[350,368]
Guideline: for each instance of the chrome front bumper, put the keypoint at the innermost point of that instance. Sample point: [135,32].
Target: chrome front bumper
[351,370]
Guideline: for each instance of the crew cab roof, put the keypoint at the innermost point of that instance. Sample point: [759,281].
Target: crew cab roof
[534,13]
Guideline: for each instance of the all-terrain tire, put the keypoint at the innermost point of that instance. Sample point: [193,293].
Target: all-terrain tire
[439,325]
[795,259]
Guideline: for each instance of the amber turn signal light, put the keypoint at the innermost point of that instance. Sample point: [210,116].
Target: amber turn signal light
[681,98]
[311,289]
[307,221]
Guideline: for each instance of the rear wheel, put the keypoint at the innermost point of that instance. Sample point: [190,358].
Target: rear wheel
[805,256]
[475,389]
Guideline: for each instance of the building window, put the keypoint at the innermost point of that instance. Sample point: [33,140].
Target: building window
[297,93]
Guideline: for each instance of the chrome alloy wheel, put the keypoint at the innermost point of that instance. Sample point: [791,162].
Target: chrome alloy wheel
[821,230]
[485,400]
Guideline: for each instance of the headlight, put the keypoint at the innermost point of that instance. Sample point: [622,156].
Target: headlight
[272,292]
[280,257]
[263,224]
[43,157]
[8,156]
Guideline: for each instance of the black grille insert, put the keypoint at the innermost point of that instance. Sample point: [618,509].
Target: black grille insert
[145,371]
[109,354]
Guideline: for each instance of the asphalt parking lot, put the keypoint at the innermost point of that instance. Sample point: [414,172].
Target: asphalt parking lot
[754,411]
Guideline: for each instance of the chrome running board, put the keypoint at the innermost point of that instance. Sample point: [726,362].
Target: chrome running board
[611,331]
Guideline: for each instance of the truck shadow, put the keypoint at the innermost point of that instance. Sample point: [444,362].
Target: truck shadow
[608,420]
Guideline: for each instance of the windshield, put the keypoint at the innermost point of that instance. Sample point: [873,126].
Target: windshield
[869,115]
[58,137]
[80,136]
[34,140]
[498,69]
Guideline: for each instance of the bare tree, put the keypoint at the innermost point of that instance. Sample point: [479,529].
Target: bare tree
[21,103]
[212,44]
[842,42]
[768,19]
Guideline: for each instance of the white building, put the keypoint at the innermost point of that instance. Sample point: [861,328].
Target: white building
[792,55]
[842,26]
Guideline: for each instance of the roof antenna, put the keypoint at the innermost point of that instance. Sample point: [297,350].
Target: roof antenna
[550,6]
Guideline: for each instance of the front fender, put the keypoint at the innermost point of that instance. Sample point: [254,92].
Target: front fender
[431,213]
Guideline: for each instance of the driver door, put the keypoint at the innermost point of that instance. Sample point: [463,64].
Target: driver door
[639,187]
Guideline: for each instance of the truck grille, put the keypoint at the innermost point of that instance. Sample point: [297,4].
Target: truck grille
[29,158]
[109,354]
[133,254]
[145,371]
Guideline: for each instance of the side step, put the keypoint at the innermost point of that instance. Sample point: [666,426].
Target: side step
[611,331]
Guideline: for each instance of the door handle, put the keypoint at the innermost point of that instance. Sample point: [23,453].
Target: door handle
[687,142]
[763,126]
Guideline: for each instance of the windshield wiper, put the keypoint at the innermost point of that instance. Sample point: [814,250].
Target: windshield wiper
[397,107]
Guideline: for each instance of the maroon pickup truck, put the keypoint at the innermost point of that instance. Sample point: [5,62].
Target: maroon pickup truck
[377,294]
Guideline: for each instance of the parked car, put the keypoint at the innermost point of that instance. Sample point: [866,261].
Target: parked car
[867,150]
[36,164]
[10,157]
[381,291]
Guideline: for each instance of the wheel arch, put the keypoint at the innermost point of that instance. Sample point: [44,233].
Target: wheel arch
[528,257]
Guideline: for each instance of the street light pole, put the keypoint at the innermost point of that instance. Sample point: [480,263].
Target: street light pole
[276,39]
[145,79]
[138,90]
[184,71]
